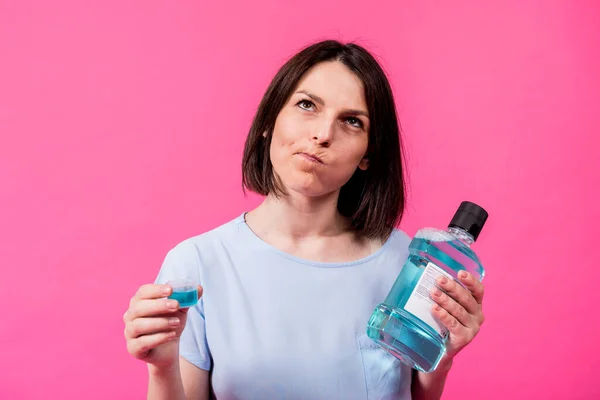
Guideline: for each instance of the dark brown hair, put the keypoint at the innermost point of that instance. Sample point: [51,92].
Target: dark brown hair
[372,200]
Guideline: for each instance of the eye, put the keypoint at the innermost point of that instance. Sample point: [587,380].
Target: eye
[355,122]
[305,105]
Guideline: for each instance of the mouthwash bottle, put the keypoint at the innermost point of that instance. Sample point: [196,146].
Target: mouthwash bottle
[403,324]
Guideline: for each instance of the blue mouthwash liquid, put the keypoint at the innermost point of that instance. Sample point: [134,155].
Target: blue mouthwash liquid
[403,324]
[185,298]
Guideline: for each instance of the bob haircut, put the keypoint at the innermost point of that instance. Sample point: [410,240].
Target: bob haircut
[372,200]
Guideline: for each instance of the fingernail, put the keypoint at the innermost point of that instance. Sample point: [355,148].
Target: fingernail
[437,307]
[463,274]
[437,292]
[172,304]
[443,280]
[166,289]
[174,321]
[172,334]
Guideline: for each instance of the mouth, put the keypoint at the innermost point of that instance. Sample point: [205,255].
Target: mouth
[310,157]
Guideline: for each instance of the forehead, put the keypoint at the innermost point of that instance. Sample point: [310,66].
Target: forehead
[335,83]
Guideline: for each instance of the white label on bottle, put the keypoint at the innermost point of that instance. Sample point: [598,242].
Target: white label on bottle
[420,302]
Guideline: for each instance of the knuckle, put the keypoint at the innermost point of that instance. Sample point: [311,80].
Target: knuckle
[452,286]
[466,298]
[141,290]
[445,314]
[134,331]
[143,344]
[134,349]
[132,314]
[129,331]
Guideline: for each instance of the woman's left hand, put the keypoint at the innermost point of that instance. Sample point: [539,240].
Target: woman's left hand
[459,310]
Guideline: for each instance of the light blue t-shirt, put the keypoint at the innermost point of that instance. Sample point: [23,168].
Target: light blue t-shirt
[273,326]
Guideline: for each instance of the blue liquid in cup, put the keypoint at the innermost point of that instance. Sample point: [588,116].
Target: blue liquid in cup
[186,299]
[185,291]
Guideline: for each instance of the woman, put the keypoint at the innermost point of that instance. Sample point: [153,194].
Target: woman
[289,286]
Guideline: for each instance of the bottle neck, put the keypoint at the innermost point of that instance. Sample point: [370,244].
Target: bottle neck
[462,235]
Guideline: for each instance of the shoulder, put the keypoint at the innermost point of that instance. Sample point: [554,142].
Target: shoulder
[221,234]
[185,258]
[400,236]
[398,240]
[396,248]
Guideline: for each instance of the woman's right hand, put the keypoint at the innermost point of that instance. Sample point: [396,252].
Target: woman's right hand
[153,325]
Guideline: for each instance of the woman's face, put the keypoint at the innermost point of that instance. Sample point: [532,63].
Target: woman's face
[321,135]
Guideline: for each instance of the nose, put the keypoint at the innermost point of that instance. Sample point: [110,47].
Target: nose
[324,134]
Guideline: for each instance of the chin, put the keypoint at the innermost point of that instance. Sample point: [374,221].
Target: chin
[306,184]
[308,188]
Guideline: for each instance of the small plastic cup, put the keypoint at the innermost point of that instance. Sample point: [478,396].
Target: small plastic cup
[185,291]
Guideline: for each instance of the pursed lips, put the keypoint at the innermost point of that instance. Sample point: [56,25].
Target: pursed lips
[311,157]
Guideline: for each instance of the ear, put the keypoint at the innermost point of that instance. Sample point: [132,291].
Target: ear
[364,164]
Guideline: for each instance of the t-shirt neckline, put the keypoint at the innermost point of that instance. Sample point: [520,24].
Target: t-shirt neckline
[241,221]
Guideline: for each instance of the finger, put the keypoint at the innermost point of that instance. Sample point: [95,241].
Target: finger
[147,326]
[141,346]
[460,294]
[153,291]
[451,323]
[472,284]
[458,312]
[149,308]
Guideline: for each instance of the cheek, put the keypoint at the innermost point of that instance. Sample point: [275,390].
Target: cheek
[285,135]
[355,151]
[286,130]
[280,151]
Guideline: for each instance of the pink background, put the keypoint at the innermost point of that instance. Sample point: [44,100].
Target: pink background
[122,125]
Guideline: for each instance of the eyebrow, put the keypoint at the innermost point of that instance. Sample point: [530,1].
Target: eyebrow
[319,100]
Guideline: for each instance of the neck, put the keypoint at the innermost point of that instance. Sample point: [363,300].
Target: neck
[297,217]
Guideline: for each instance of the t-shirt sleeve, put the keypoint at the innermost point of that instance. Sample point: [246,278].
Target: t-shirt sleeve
[183,262]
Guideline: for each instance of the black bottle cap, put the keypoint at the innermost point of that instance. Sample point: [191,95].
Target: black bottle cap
[469,217]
